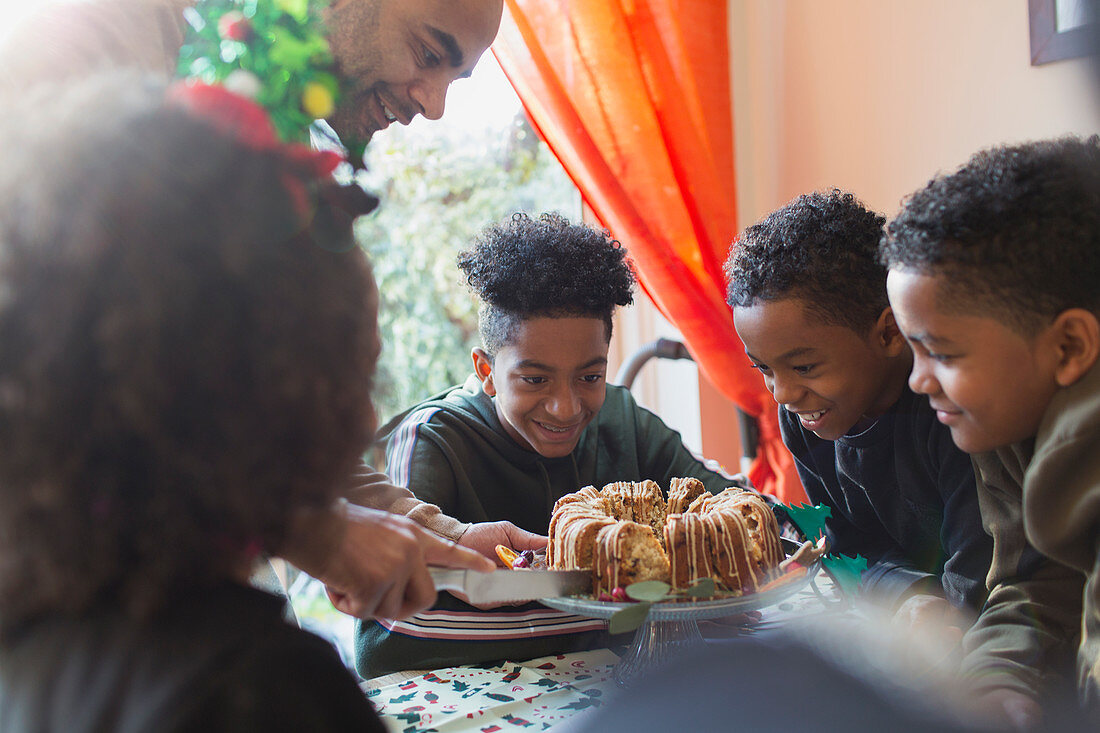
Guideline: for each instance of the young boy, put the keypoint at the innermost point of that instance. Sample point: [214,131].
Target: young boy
[809,303]
[535,421]
[186,366]
[994,274]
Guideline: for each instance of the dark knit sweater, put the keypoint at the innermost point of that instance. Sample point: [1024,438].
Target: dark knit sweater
[903,496]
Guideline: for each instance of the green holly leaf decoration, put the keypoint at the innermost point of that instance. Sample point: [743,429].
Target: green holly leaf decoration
[810,520]
[847,572]
[628,618]
[649,590]
[702,588]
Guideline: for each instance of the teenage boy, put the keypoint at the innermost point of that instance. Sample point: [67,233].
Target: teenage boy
[994,273]
[809,303]
[535,421]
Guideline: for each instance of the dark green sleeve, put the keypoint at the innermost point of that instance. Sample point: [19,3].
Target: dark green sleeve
[664,457]
[427,472]
[1027,632]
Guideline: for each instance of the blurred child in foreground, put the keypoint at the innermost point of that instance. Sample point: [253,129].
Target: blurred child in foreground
[188,339]
[995,281]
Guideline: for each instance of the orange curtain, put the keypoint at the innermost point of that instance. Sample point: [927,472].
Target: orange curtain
[633,97]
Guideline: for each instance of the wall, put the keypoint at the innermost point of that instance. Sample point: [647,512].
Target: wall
[876,96]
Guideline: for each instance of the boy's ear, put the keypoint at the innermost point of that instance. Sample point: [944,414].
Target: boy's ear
[483,368]
[1076,334]
[887,335]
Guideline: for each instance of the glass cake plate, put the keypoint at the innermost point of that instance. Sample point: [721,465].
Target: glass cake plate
[671,626]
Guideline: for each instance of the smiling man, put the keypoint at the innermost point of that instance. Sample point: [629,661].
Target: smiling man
[416,48]
[400,55]
[536,420]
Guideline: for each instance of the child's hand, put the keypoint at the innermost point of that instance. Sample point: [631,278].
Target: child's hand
[932,615]
[1011,709]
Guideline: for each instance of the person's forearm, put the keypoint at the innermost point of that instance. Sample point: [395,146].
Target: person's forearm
[374,490]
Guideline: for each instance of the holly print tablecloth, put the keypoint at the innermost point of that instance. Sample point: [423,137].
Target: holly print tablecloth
[527,696]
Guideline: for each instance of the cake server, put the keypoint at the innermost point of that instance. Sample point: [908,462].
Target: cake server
[507,586]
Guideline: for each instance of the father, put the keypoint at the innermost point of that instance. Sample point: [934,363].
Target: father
[371,549]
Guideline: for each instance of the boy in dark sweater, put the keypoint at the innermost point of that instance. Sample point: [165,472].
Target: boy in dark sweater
[995,279]
[535,421]
[809,303]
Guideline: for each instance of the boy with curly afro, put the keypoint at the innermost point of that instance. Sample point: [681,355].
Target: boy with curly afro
[536,420]
[186,366]
[809,303]
[994,275]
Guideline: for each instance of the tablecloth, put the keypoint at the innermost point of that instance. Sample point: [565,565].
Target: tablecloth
[513,696]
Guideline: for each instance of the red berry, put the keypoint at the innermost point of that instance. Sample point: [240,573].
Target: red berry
[604,597]
[619,595]
[233,26]
[519,562]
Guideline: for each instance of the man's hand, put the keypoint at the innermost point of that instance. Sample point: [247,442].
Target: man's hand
[379,568]
[485,536]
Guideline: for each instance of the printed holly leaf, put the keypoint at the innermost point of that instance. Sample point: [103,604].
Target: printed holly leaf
[847,572]
[628,618]
[810,520]
[648,590]
[581,704]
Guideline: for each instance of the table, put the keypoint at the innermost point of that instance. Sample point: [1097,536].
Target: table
[529,696]
[543,693]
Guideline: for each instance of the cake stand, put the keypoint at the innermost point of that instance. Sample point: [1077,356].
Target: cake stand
[672,626]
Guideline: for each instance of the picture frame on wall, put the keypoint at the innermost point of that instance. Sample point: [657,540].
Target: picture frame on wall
[1061,29]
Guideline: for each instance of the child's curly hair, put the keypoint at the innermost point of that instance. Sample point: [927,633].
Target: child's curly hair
[820,248]
[546,267]
[1014,232]
[182,366]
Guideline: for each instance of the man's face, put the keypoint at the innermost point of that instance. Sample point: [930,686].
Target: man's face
[988,383]
[401,55]
[829,376]
[549,382]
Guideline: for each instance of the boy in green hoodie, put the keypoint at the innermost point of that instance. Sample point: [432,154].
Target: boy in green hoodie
[536,420]
[993,279]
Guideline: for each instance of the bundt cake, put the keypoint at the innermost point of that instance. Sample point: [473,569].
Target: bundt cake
[628,532]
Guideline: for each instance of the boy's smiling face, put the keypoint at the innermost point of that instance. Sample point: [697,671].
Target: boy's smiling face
[829,376]
[548,381]
[988,383]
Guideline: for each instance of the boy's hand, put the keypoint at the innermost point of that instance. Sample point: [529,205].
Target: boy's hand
[485,536]
[1009,709]
[931,615]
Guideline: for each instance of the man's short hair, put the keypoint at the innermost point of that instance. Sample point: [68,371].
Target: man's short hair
[820,248]
[546,267]
[1014,232]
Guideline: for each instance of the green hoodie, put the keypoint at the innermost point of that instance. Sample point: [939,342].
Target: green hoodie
[452,451]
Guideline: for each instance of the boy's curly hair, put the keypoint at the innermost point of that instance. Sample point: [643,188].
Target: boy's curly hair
[527,268]
[1014,232]
[820,248]
[182,366]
